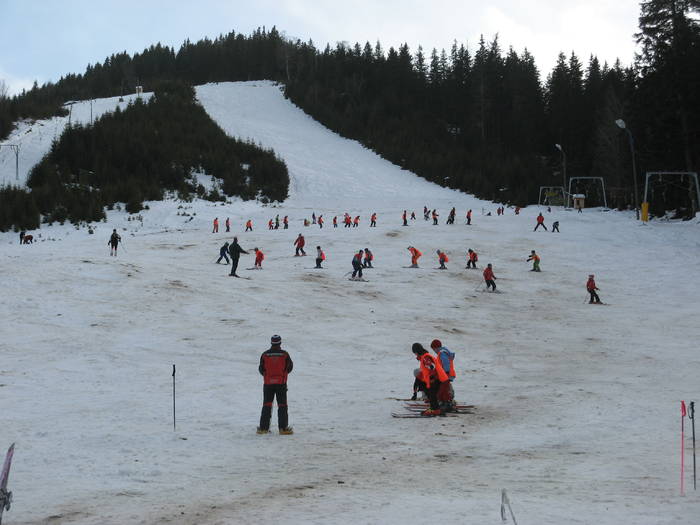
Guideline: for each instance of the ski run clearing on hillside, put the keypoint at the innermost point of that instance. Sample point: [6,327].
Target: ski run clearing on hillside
[577,406]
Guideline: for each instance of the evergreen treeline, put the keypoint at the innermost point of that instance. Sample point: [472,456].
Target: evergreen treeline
[135,155]
[481,120]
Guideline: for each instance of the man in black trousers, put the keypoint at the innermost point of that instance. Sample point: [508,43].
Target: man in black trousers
[275,365]
[235,252]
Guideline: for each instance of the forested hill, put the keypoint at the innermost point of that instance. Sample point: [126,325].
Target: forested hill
[138,154]
[481,120]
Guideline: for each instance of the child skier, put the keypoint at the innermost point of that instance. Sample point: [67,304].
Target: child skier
[535,261]
[299,243]
[472,257]
[446,357]
[320,257]
[442,259]
[259,257]
[249,225]
[223,253]
[540,222]
[113,242]
[489,277]
[591,287]
[435,379]
[415,255]
[357,266]
[216,225]
[369,257]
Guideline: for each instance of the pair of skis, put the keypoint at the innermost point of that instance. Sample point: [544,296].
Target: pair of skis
[414,410]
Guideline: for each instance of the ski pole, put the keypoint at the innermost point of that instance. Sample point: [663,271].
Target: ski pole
[683,413]
[173,398]
[692,419]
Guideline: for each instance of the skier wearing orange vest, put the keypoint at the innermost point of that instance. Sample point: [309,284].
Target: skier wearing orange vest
[320,257]
[320,221]
[415,255]
[489,277]
[535,261]
[442,259]
[373,221]
[216,225]
[356,222]
[447,359]
[335,221]
[472,257]
[259,258]
[369,257]
[249,225]
[433,376]
[299,243]
[270,225]
[435,217]
[469,217]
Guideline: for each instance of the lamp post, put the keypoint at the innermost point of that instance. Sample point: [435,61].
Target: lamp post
[621,124]
[563,191]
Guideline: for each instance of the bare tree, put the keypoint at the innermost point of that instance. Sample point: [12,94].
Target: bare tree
[3,89]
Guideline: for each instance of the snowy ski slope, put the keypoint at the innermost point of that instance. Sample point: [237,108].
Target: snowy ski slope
[577,405]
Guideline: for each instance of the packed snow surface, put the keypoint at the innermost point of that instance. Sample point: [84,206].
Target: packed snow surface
[578,406]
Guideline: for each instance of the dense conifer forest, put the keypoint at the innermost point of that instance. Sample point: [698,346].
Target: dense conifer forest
[483,119]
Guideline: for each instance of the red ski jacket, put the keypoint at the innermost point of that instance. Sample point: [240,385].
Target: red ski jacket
[275,364]
[488,274]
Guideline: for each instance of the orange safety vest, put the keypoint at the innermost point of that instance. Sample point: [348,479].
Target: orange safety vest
[430,366]
[443,257]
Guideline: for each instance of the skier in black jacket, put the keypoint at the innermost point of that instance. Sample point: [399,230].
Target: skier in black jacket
[235,252]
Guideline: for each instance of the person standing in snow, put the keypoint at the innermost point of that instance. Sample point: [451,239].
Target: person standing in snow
[21,236]
[413,215]
[113,242]
[373,221]
[369,257]
[426,213]
[442,259]
[535,261]
[313,217]
[357,266]
[356,222]
[320,257]
[472,257]
[299,243]
[249,225]
[285,221]
[469,218]
[435,217]
[235,251]
[489,277]
[335,221]
[259,258]
[555,226]
[405,218]
[320,221]
[591,287]
[447,358]
[223,253]
[216,225]
[415,255]
[540,222]
[275,365]
[228,224]
[433,376]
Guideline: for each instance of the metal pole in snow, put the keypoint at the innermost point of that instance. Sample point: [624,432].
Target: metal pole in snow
[692,418]
[683,413]
[173,398]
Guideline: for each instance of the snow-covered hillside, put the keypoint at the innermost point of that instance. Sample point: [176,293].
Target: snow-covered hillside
[34,138]
[577,405]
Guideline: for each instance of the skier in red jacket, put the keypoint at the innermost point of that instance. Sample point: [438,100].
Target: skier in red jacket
[299,243]
[259,258]
[472,257]
[442,259]
[275,365]
[591,287]
[489,277]
[540,222]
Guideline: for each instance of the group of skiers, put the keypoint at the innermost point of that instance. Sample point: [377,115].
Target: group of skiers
[434,377]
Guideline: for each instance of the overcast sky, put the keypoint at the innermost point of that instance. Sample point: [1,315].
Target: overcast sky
[45,39]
